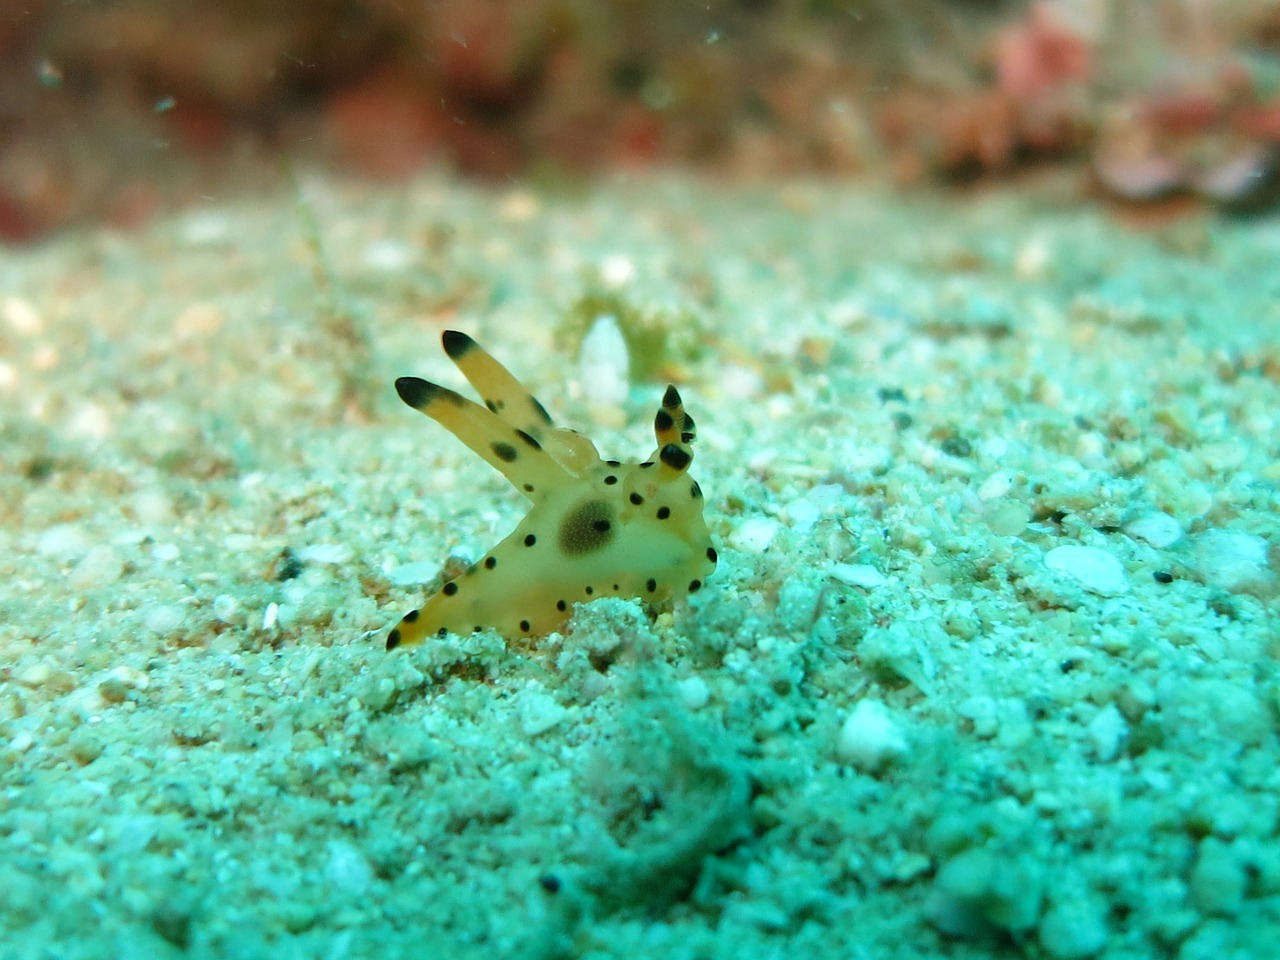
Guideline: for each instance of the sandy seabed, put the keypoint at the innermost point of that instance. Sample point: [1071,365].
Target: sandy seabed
[988,666]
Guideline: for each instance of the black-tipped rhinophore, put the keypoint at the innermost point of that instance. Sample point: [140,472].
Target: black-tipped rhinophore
[456,344]
[415,391]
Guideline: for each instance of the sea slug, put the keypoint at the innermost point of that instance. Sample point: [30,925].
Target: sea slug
[596,528]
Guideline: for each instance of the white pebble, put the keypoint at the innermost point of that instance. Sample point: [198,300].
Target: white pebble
[152,507]
[803,514]
[753,535]
[1158,529]
[63,541]
[740,383]
[21,316]
[1107,730]
[33,675]
[347,868]
[603,364]
[1094,569]
[100,567]
[539,713]
[413,574]
[225,607]
[857,575]
[995,486]
[694,693]
[870,736]
[165,618]
[1230,559]
[617,270]
[327,554]
[388,256]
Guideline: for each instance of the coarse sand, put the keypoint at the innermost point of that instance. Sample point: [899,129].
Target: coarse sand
[988,666]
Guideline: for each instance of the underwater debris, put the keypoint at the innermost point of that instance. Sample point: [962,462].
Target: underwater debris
[597,527]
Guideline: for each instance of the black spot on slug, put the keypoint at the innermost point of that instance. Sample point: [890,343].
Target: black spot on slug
[393,639]
[587,528]
[530,540]
[524,626]
[561,606]
[651,585]
[637,499]
[411,616]
[490,562]
[588,591]
[675,457]
[664,512]
[503,451]
[528,439]
[712,555]
[449,589]
[610,480]
[695,586]
[695,491]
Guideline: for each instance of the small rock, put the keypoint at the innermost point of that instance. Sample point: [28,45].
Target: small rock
[1107,730]
[63,541]
[347,869]
[225,607]
[870,737]
[1158,529]
[413,574]
[694,693]
[754,534]
[1008,518]
[603,364]
[165,618]
[995,486]
[1095,570]
[35,675]
[100,567]
[857,575]
[328,554]
[1231,560]
[539,713]
[1074,929]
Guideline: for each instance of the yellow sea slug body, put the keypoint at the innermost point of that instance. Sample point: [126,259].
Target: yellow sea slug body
[597,528]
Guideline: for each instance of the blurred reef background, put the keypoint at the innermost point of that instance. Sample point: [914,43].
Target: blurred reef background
[115,109]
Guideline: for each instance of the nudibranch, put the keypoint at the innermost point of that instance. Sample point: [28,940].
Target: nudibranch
[596,528]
